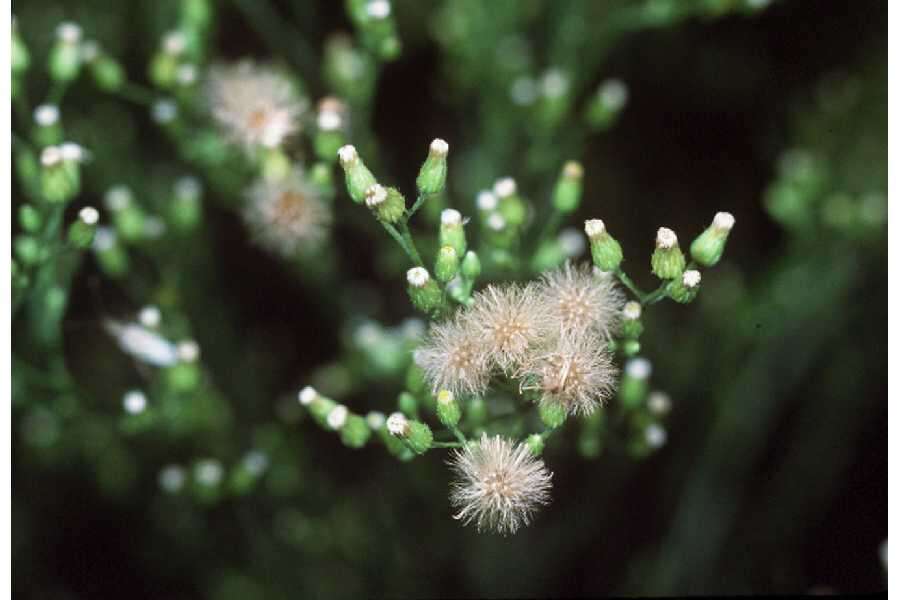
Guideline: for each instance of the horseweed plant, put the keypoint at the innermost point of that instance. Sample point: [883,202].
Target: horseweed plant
[520,337]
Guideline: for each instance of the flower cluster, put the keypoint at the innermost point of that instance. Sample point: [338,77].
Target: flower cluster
[552,335]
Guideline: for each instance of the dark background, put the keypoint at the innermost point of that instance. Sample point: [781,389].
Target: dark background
[773,479]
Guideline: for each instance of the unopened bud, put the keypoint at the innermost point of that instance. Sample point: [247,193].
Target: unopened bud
[358,178]
[707,249]
[433,174]
[605,250]
[667,261]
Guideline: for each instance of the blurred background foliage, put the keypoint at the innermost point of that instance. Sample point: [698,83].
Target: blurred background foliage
[773,478]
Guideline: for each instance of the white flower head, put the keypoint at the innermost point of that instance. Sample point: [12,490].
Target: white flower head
[347,154]
[505,187]
[578,301]
[134,402]
[307,395]
[439,147]
[506,321]
[666,238]
[499,485]
[554,83]
[594,228]
[417,277]
[287,216]
[638,368]
[68,32]
[486,200]
[691,279]
[89,215]
[72,152]
[375,195]
[46,115]
[496,222]
[378,9]
[453,357]
[150,316]
[337,417]
[143,344]
[256,105]
[174,43]
[723,221]
[208,472]
[451,217]
[397,424]
[631,311]
[51,156]
[188,351]
[375,420]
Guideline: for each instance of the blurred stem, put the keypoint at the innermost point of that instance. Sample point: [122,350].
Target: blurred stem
[405,241]
[415,207]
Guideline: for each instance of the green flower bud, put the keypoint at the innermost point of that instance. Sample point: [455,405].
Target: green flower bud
[355,432]
[633,388]
[433,173]
[685,288]
[605,250]
[476,411]
[707,249]
[60,173]
[667,261]
[408,405]
[28,249]
[30,218]
[447,264]
[320,407]
[567,193]
[631,347]
[388,203]
[357,176]
[607,104]
[47,131]
[183,377]
[65,55]
[452,232]
[111,256]
[108,74]
[19,57]
[186,209]
[448,409]
[510,205]
[553,414]
[471,266]
[535,443]
[416,434]
[81,232]
[632,328]
[423,291]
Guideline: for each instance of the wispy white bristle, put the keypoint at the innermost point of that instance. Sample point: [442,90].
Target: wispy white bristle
[375,195]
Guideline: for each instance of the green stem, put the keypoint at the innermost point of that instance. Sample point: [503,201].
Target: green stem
[459,434]
[411,245]
[627,282]
[656,295]
[415,207]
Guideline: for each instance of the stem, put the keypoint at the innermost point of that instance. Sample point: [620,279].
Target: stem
[656,295]
[459,434]
[415,207]
[411,245]
[626,281]
[550,226]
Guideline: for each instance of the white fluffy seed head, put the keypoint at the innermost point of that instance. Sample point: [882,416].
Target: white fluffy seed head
[691,279]
[149,316]
[68,32]
[486,200]
[89,215]
[375,420]
[655,436]
[378,9]
[337,417]
[666,238]
[375,195]
[307,395]
[46,115]
[638,368]
[51,156]
[505,187]
[499,485]
[723,221]
[397,424]
[451,217]
[594,228]
[439,148]
[134,402]
[417,276]
[632,311]
[347,155]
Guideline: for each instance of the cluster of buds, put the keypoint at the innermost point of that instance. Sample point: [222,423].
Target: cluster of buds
[354,429]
